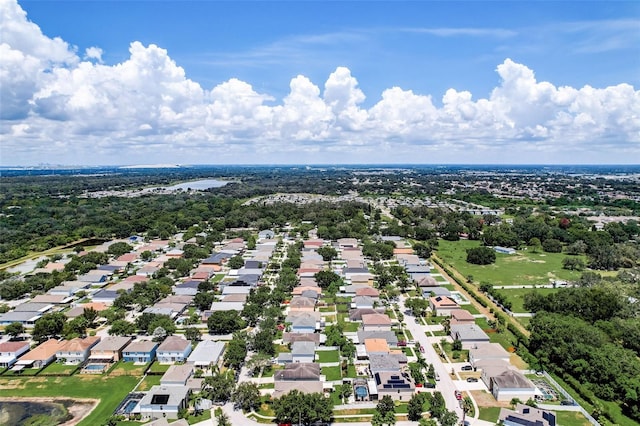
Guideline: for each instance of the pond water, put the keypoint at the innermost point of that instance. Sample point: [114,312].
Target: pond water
[198,185]
[22,413]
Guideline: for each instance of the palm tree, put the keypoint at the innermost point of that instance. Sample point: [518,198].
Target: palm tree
[446,323]
[467,407]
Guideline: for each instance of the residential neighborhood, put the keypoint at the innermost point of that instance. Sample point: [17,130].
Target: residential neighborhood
[336,332]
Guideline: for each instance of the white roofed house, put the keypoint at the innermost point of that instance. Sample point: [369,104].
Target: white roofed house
[206,354]
[164,401]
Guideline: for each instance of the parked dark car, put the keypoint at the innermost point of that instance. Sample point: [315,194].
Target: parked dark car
[472,379]
[467,368]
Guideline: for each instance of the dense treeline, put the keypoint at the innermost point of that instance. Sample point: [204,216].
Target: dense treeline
[592,334]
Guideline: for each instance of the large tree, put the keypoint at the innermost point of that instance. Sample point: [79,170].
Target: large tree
[246,396]
[296,407]
[225,322]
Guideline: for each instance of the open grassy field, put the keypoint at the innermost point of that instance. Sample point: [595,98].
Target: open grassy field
[521,268]
[110,391]
[516,296]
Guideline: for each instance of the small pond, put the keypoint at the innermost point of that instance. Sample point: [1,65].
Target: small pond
[22,413]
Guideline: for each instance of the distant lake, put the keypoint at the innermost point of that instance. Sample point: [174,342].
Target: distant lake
[198,185]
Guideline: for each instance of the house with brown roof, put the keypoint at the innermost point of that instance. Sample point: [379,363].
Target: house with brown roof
[42,355]
[76,351]
[110,349]
[512,384]
[173,349]
[368,291]
[10,351]
[442,305]
[376,322]
[302,304]
[177,375]
[461,316]
[376,346]
[304,377]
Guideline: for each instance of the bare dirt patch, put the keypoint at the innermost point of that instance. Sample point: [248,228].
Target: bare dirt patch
[485,399]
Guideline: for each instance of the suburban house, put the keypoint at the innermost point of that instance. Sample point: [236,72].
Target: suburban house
[177,375]
[488,351]
[206,354]
[41,356]
[427,281]
[303,351]
[301,337]
[304,323]
[418,272]
[376,346]
[302,304]
[140,351]
[10,351]
[26,318]
[361,302]
[461,316]
[110,349]
[173,349]
[398,386]
[512,384]
[188,288]
[389,336]
[442,306]
[164,401]
[524,415]
[376,322]
[76,351]
[304,377]
[469,334]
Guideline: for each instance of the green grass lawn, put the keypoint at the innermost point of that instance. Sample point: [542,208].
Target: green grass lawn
[122,368]
[351,327]
[327,356]
[351,371]
[489,414]
[109,390]
[505,338]
[331,308]
[158,368]
[332,373]
[148,382]
[521,268]
[471,309]
[516,296]
[571,418]
[58,368]
[408,351]
[205,415]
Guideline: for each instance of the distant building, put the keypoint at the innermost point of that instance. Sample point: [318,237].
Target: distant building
[505,250]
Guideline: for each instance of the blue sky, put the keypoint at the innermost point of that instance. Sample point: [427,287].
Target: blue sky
[309,82]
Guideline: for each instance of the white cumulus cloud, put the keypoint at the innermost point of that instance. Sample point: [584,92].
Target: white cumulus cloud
[58,107]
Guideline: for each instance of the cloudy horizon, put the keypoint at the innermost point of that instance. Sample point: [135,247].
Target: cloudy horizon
[65,102]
